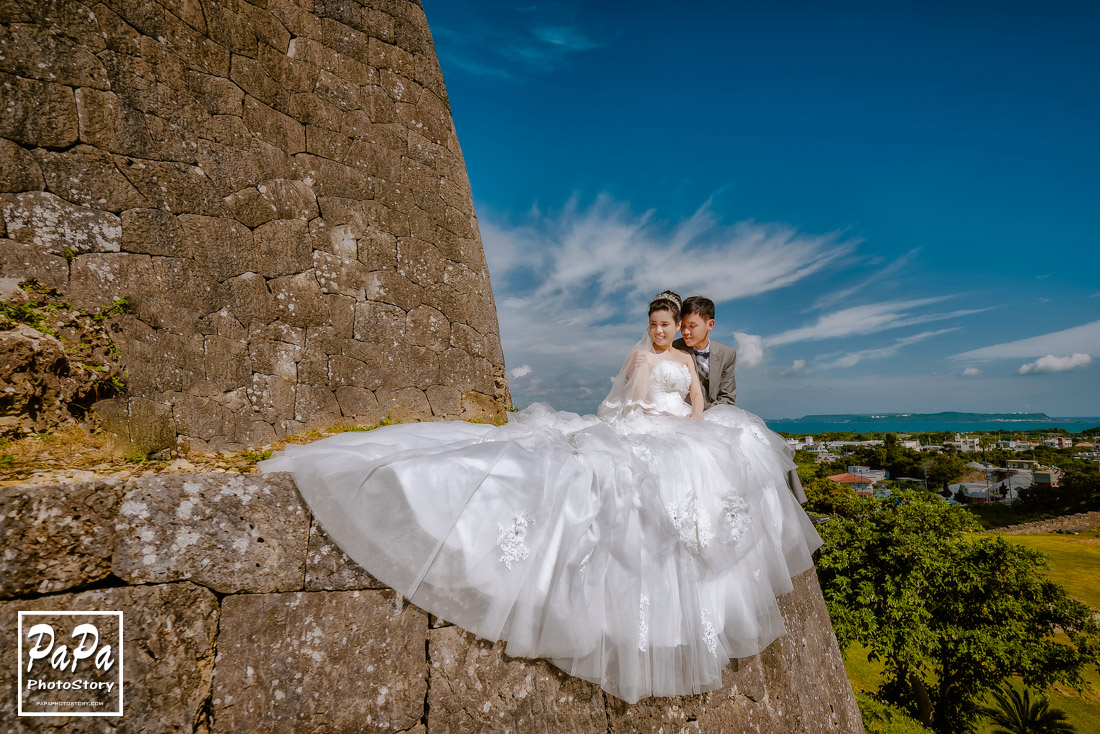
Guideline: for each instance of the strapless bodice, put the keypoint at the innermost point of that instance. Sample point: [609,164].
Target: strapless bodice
[669,383]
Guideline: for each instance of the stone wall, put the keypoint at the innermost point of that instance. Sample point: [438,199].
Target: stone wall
[275,185]
[1082,520]
[241,615]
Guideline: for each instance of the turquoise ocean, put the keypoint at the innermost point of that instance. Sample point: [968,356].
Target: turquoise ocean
[921,424]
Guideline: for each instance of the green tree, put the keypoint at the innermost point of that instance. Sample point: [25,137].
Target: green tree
[1017,713]
[950,614]
[943,469]
[827,497]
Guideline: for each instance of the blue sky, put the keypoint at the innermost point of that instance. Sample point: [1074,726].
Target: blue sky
[896,206]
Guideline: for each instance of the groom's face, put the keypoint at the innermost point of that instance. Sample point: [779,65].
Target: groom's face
[695,330]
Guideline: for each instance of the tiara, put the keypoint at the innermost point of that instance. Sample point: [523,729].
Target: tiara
[669,296]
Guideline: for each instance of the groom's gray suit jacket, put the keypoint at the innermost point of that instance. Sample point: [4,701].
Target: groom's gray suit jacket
[721,387]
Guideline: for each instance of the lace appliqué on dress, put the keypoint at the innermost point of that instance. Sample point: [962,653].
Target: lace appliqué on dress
[511,540]
[710,636]
[693,527]
[643,624]
[737,515]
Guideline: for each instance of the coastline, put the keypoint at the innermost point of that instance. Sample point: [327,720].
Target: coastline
[850,424]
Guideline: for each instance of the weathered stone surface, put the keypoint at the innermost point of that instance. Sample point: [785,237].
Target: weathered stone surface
[174,187]
[292,199]
[227,362]
[284,663]
[315,405]
[151,427]
[169,635]
[107,122]
[19,260]
[427,327]
[224,245]
[273,126]
[446,402]
[409,402]
[359,404]
[19,170]
[152,232]
[283,247]
[54,225]
[221,96]
[249,207]
[37,113]
[329,569]
[102,278]
[380,324]
[231,533]
[56,537]
[244,170]
[313,53]
[188,283]
[476,688]
[38,53]
[269,395]
[1080,520]
[298,299]
[87,176]
[478,406]
[249,300]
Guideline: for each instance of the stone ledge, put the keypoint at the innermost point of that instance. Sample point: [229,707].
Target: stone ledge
[332,649]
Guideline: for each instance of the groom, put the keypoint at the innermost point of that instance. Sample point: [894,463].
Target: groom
[714,361]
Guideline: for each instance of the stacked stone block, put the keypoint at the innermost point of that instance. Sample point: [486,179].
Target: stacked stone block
[242,615]
[278,189]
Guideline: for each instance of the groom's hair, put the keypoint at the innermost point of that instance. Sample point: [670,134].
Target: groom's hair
[704,307]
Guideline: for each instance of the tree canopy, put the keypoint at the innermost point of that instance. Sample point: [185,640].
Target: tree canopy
[950,613]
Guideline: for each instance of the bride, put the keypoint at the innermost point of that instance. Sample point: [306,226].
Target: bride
[640,549]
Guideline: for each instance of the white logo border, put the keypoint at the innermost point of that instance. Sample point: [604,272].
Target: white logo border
[19,666]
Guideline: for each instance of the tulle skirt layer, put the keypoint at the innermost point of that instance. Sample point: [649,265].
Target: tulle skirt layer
[641,555]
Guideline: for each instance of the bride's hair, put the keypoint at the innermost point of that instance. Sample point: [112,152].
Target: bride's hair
[666,301]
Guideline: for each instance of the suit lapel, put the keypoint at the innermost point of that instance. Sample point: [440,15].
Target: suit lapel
[716,372]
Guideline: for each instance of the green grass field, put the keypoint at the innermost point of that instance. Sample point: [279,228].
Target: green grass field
[1075,563]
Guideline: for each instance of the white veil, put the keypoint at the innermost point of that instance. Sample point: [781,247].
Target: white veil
[630,391]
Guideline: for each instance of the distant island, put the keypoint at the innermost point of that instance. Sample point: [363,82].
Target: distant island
[951,421]
[946,417]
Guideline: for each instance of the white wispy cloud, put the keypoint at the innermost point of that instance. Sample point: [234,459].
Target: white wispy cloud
[1051,363]
[1084,338]
[867,319]
[750,349]
[798,367]
[608,258]
[509,52]
[879,277]
[571,285]
[569,38]
[971,372]
[519,372]
[850,359]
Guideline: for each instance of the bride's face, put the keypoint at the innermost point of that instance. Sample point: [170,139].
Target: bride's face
[662,328]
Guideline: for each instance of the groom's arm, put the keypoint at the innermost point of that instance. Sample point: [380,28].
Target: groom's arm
[727,385]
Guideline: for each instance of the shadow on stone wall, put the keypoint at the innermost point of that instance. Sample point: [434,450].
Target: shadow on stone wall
[278,190]
[241,615]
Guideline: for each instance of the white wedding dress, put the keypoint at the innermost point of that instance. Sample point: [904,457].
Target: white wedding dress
[641,551]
